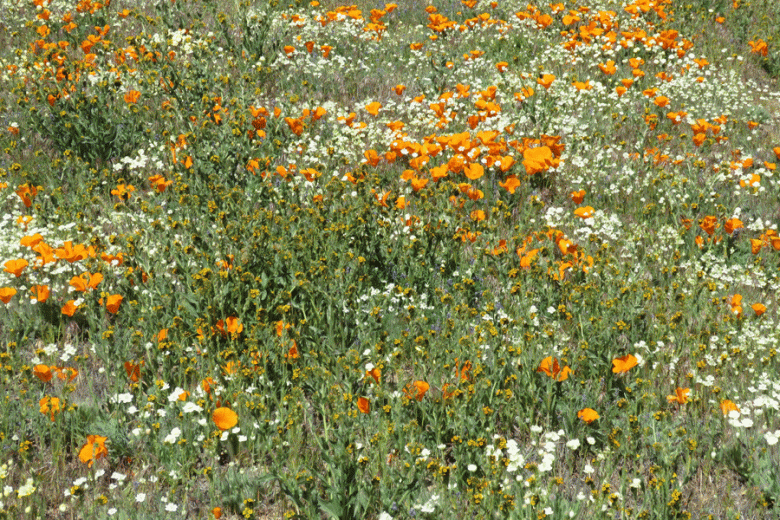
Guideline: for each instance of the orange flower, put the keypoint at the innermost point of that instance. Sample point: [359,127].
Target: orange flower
[584,212]
[224,418]
[94,449]
[15,267]
[473,171]
[538,159]
[680,397]
[546,80]
[732,225]
[623,364]
[727,406]
[374,373]
[42,372]
[416,390]
[709,224]
[6,293]
[113,302]
[578,196]
[736,304]
[217,512]
[50,405]
[550,366]
[69,309]
[40,292]
[758,308]
[292,353]
[132,96]
[477,215]
[510,184]
[373,108]
[363,405]
[234,327]
[133,370]
[588,415]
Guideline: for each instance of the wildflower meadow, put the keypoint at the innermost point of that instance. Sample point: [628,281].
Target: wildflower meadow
[461,259]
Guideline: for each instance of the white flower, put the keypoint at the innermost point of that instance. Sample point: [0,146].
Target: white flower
[472,467]
[385,516]
[140,497]
[191,407]
[772,437]
[27,489]
[573,444]
[636,483]
[589,469]
[174,396]
[171,507]
[173,436]
[547,462]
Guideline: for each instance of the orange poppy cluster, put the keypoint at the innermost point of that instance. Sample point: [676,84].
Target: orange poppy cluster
[570,254]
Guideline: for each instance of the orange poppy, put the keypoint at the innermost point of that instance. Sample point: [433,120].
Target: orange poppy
[375,373]
[363,405]
[42,372]
[758,308]
[546,80]
[588,415]
[224,418]
[584,212]
[727,406]
[552,368]
[50,405]
[113,302]
[510,184]
[416,390]
[680,396]
[40,292]
[373,108]
[578,196]
[732,225]
[94,449]
[69,309]
[15,267]
[132,96]
[623,364]
[133,370]
[6,293]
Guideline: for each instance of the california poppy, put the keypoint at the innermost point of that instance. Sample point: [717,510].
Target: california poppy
[224,418]
[680,396]
[416,390]
[584,212]
[623,364]
[6,293]
[42,372]
[588,415]
[373,108]
[113,302]
[69,309]
[727,406]
[758,308]
[552,368]
[94,449]
[363,405]
[49,405]
[133,370]
[15,267]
